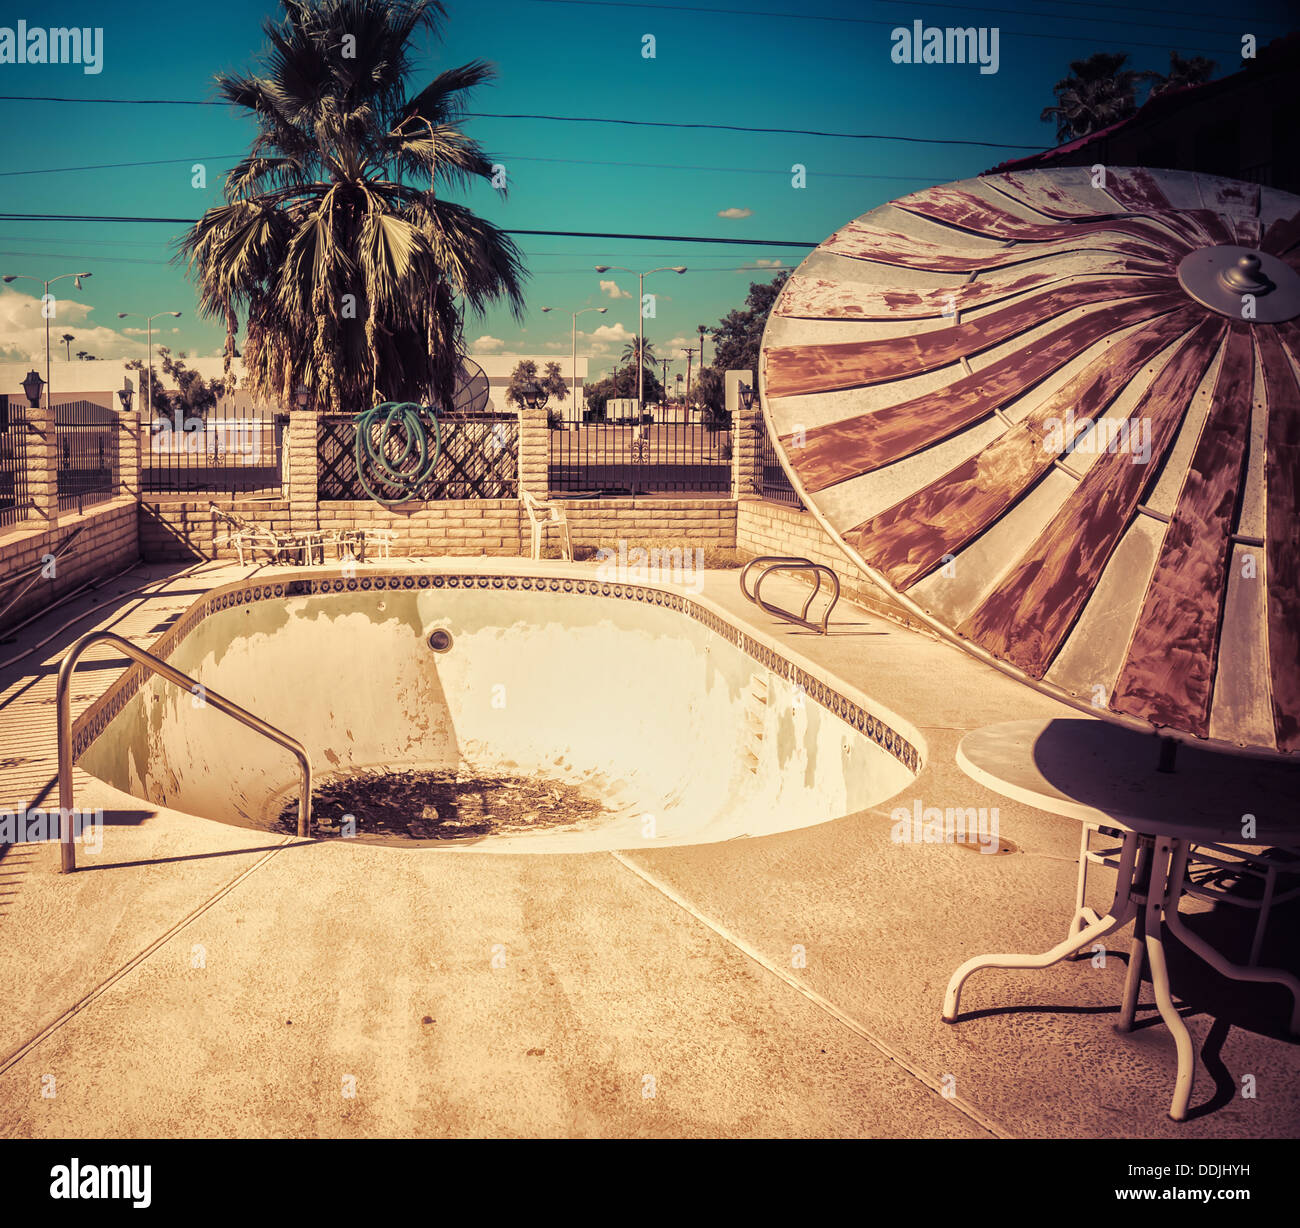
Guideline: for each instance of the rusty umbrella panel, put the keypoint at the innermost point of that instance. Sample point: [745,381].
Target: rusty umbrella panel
[1120,335]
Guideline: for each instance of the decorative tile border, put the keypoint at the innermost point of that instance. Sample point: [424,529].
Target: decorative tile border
[96,718]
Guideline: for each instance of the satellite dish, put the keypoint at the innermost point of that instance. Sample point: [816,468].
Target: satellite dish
[1057,420]
[472,390]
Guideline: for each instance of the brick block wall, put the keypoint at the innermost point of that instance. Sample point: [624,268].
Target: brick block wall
[663,523]
[108,544]
[771,528]
[451,526]
[182,530]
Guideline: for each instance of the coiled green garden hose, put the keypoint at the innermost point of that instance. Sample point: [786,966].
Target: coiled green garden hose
[407,472]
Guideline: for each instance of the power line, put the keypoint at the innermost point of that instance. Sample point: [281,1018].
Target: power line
[873,21]
[579,119]
[932,177]
[661,123]
[735,268]
[961,8]
[113,166]
[571,234]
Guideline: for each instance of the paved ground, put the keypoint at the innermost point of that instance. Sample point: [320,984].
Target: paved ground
[206,980]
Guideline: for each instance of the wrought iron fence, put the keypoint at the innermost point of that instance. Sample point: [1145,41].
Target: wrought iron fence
[235,451]
[479,458]
[773,482]
[682,458]
[86,438]
[14,498]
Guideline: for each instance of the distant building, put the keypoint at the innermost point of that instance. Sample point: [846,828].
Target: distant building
[1243,126]
[99,381]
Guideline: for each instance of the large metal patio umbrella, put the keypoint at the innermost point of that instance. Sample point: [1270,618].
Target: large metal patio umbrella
[1056,414]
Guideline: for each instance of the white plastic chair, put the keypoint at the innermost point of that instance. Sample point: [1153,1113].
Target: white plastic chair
[544,516]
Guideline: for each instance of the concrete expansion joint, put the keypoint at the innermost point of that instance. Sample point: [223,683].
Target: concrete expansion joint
[136,960]
[932,1082]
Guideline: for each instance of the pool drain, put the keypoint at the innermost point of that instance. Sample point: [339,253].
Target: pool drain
[440,640]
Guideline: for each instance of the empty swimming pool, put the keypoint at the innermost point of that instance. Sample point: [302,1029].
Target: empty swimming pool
[494,712]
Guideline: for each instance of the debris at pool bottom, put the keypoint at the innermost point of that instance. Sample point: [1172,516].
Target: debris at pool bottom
[441,805]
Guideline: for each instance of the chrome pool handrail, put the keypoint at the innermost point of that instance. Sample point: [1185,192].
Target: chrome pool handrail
[68,854]
[781,562]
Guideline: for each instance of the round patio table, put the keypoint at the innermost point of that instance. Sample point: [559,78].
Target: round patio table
[1111,780]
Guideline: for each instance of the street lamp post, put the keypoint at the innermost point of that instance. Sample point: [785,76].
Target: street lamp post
[574,357]
[45,311]
[640,317]
[148,382]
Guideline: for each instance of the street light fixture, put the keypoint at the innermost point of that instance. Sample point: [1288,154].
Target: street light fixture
[125,395]
[574,357]
[11,277]
[640,317]
[148,383]
[32,386]
[534,395]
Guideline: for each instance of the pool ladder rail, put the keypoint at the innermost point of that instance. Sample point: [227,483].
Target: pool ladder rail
[780,562]
[67,851]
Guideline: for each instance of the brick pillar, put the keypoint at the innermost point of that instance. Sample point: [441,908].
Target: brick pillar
[534,453]
[300,440]
[534,465]
[42,463]
[746,456]
[129,439]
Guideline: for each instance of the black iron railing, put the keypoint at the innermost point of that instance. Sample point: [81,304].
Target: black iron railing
[14,499]
[235,451]
[773,482]
[86,438]
[655,458]
[479,458]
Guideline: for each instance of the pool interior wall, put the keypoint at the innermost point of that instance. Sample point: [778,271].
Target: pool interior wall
[684,736]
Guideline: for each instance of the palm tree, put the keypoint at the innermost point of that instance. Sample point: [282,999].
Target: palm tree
[1098,92]
[648,359]
[1194,70]
[352,282]
[700,328]
[67,340]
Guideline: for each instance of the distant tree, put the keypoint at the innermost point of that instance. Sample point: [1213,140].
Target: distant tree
[525,373]
[1098,92]
[67,340]
[622,385]
[710,395]
[1192,70]
[737,338]
[193,395]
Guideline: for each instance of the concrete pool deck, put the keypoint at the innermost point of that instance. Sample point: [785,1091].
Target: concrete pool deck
[199,979]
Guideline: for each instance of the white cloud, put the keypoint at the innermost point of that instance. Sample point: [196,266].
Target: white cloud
[487,345]
[763,264]
[607,339]
[612,289]
[23,328]
[735,213]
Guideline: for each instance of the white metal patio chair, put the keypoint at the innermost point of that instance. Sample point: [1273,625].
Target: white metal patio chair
[543,517]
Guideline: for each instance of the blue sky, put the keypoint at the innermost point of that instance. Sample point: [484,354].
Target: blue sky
[786,71]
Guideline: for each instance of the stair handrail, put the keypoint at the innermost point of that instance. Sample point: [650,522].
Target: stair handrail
[781,562]
[68,854]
